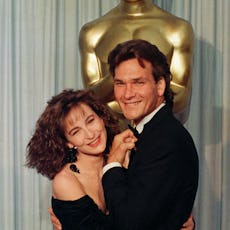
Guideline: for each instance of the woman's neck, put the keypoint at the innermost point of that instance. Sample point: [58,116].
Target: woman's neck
[89,164]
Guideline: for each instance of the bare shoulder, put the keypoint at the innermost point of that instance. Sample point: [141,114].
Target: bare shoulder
[66,186]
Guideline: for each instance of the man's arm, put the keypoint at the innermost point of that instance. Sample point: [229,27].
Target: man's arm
[188,225]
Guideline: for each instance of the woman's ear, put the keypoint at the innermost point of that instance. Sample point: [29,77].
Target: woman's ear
[70,145]
[161,85]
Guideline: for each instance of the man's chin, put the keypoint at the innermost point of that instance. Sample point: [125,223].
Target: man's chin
[130,116]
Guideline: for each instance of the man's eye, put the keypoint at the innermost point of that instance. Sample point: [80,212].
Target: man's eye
[119,83]
[139,83]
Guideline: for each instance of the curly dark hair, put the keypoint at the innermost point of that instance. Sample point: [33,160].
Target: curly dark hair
[47,148]
[143,50]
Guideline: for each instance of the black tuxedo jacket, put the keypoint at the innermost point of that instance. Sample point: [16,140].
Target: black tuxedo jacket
[158,189]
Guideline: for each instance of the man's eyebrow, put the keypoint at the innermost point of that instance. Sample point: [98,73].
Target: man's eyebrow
[138,79]
[118,80]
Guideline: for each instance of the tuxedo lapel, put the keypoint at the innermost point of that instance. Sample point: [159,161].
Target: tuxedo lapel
[162,115]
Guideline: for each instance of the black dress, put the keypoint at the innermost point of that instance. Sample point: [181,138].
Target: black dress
[81,214]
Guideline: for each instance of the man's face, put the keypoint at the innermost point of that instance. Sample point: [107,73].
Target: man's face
[136,90]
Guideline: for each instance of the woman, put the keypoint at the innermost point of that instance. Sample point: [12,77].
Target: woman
[69,146]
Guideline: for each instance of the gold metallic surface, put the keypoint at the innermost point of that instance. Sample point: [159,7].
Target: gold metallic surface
[138,19]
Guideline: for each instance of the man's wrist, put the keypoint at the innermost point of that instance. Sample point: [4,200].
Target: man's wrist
[110,165]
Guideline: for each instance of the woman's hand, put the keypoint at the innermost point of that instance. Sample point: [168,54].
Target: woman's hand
[56,223]
[189,224]
[126,160]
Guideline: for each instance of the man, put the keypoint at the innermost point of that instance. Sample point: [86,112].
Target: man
[158,189]
[138,19]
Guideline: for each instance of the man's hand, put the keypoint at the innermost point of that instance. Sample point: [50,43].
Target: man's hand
[189,224]
[56,223]
[122,143]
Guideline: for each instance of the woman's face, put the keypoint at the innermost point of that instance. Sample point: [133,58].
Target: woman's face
[85,130]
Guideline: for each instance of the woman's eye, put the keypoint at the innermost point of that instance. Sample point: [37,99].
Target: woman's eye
[91,120]
[74,132]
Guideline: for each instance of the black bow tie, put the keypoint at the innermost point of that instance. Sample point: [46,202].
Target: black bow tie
[134,130]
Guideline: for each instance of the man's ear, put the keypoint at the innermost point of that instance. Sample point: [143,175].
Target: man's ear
[161,85]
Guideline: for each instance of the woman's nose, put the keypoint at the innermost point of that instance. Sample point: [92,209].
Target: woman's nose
[89,133]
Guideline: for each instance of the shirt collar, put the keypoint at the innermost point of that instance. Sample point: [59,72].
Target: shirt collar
[147,118]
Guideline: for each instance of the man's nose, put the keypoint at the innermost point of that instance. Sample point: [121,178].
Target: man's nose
[129,92]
